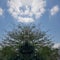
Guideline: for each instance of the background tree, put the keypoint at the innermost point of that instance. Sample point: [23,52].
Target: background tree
[27,39]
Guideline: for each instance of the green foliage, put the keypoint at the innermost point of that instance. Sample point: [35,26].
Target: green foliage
[27,43]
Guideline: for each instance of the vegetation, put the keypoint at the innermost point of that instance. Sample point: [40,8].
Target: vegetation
[27,43]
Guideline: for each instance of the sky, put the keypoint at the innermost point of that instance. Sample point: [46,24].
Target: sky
[40,12]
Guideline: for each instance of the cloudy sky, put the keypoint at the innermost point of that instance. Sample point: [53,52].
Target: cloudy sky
[44,12]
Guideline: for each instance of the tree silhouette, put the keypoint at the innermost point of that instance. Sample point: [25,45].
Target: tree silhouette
[27,43]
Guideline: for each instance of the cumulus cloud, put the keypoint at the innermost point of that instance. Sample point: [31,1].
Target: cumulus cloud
[1,11]
[57,45]
[26,10]
[54,10]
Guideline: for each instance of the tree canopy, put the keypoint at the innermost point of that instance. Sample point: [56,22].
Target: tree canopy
[27,43]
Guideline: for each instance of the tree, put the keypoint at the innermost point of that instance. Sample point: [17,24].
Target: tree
[28,42]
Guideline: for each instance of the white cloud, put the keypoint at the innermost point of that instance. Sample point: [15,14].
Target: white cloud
[57,45]
[26,10]
[25,19]
[1,11]
[54,10]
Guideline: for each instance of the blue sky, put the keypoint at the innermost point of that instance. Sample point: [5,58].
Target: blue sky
[44,12]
